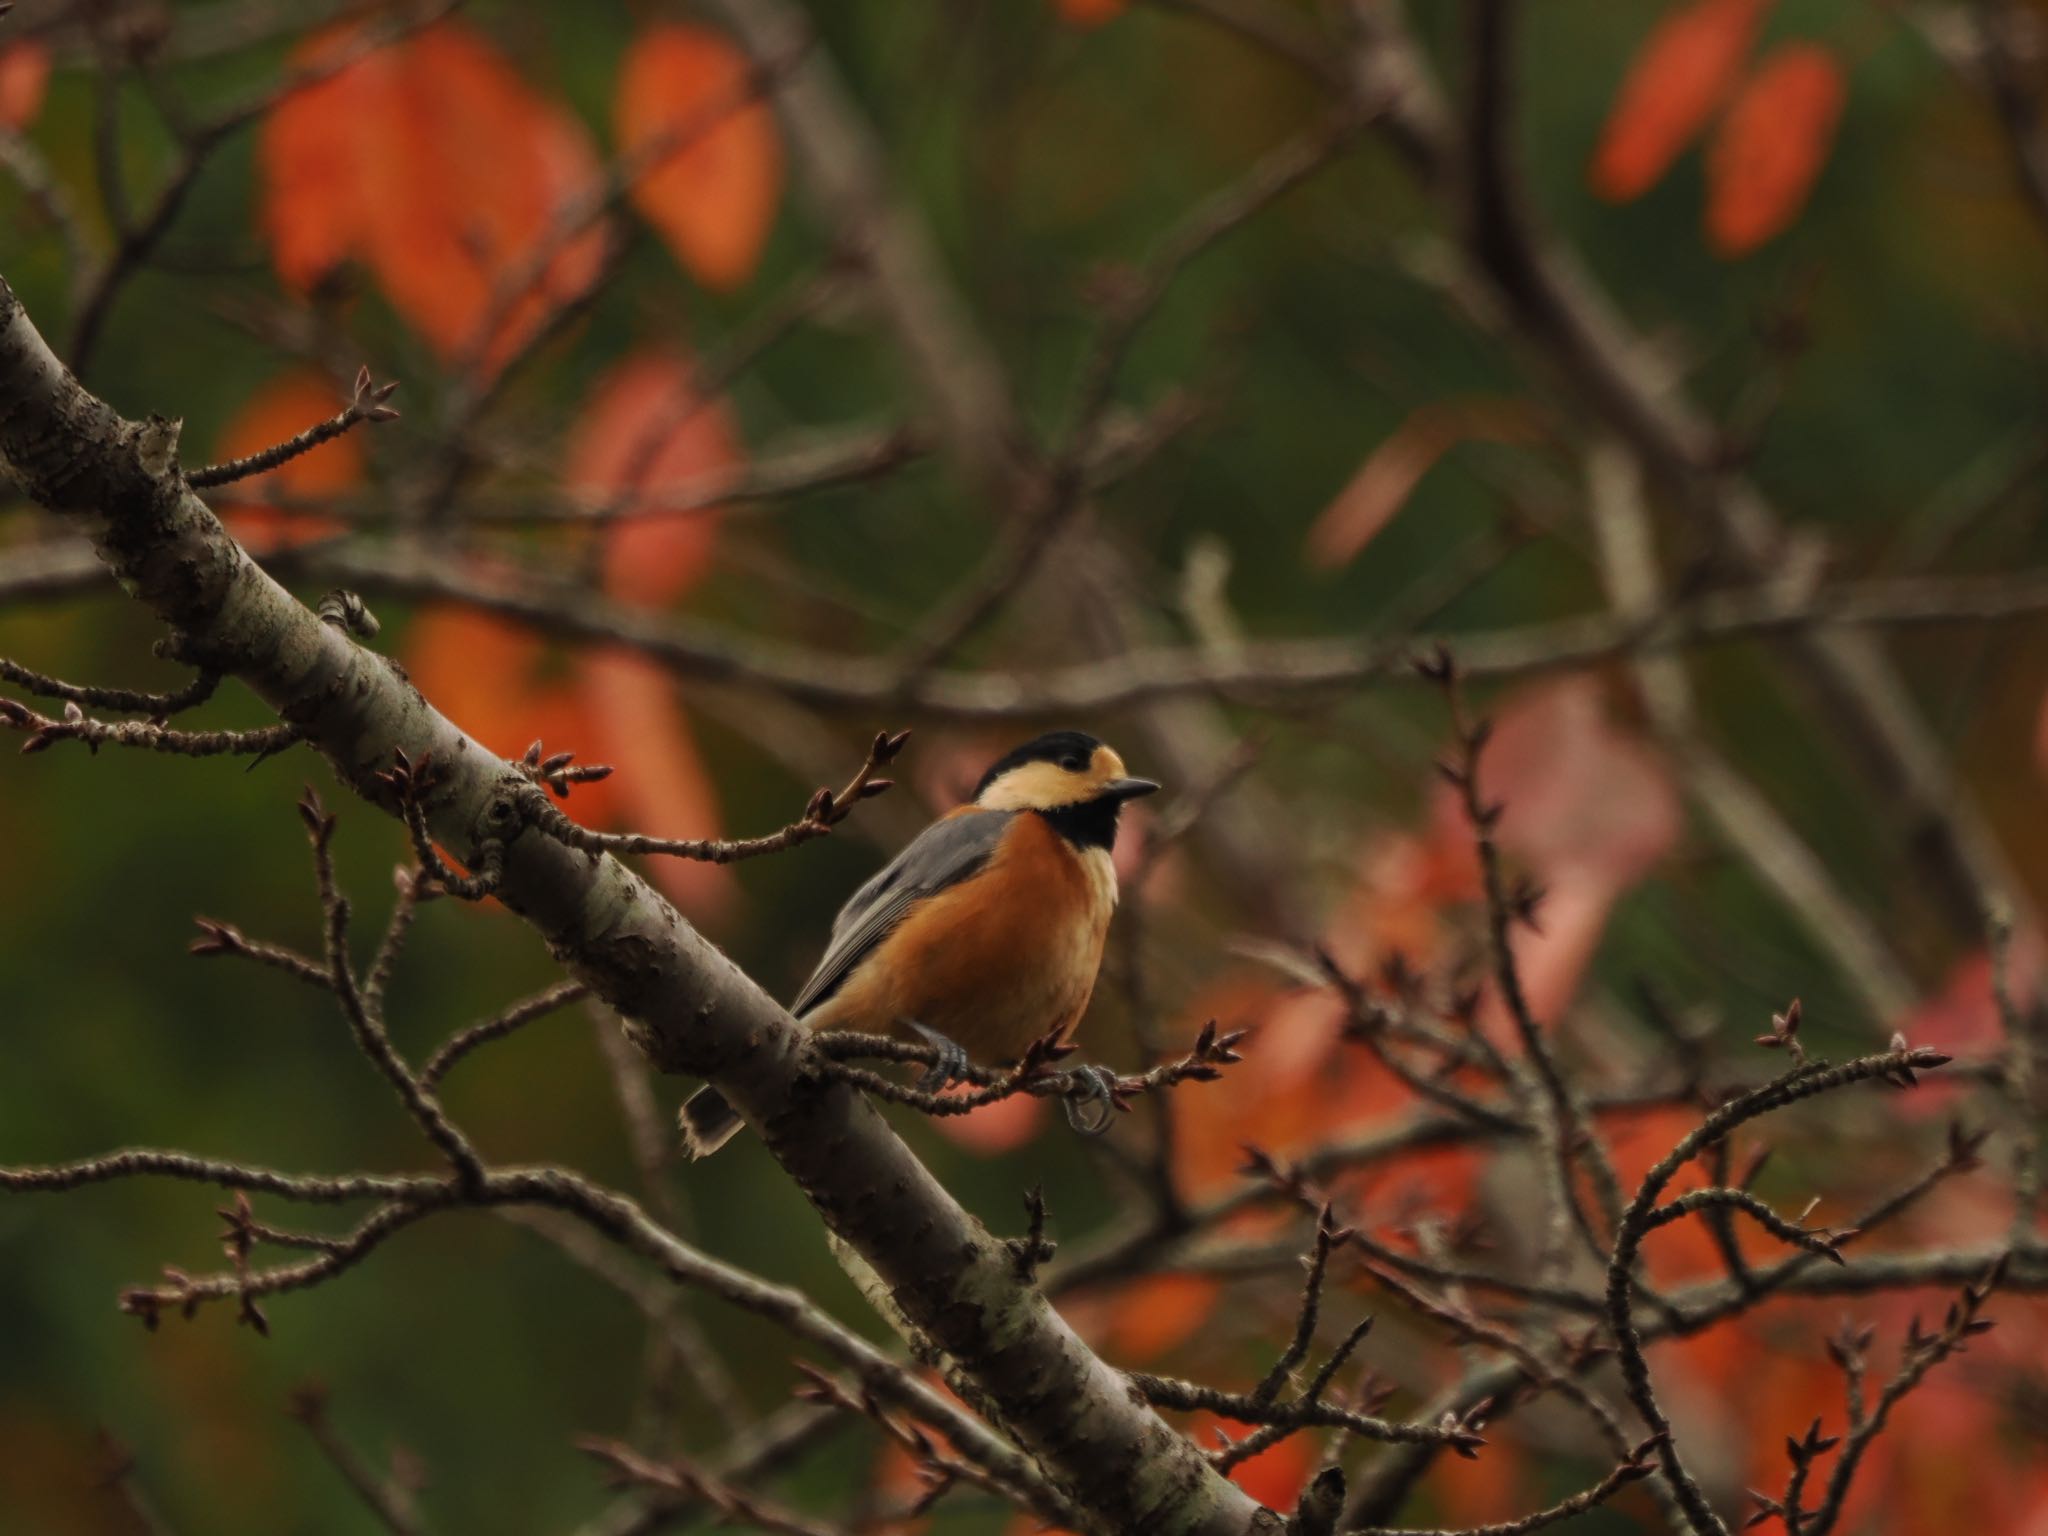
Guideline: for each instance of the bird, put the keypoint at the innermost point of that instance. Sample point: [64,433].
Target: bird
[984,934]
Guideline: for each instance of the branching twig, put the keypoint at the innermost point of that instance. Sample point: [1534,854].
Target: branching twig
[1923,1353]
[687,1481]
[825,811]
[1034,1073]
[366,405]
[387,1498]
[1634,1469]
[157,706]
[1562,1122]
[45,733]
[1800,1083]
[520,1014]
[1189,1396]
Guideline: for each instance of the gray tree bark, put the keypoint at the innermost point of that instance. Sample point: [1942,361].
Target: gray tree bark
[687,1006]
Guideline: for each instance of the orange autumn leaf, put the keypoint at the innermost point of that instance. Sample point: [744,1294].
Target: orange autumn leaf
[661,787]
[1496,1486]
[500,682]
[1276,1475]
[646,433]
[994,1128]
[434,164]
[491,676]
[24,76]
[1680,76]
[1388,477]
[1582,798]
[1588,809]
[1155,1314]
[1770,148]
[1963,1019]
[713,197]
[282,409]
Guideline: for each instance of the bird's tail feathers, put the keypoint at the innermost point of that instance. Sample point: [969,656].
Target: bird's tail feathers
[708,1121]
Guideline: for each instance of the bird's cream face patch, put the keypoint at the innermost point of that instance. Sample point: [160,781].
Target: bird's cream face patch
[1045,786]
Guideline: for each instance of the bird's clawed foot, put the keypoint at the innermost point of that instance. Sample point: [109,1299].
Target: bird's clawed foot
[949,1068]
[1091,1109]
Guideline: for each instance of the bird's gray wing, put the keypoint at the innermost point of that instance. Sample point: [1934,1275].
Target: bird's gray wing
[943,854]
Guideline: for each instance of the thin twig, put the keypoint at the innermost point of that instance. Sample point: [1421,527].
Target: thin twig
[367,405]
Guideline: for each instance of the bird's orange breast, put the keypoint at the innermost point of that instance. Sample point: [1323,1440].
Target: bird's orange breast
[996,961]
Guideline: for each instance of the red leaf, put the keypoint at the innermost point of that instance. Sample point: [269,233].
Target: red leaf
[662,786]
[1157,1313]
[1274,1477]
[491,676]
[647,434]
[1682,73]
[312,207]
[498,680]
[435,164]
[713,199]
[1770,148]
[1388,477]
[282,409]
[1963,1019]
[24,75]
[994,1128]
[1588,811]
[1580,795]
[1088,13]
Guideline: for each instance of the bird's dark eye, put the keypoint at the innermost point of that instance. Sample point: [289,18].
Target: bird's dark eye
[1072,763]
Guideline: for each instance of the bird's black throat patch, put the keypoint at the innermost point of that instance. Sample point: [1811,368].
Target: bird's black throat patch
[1090,824]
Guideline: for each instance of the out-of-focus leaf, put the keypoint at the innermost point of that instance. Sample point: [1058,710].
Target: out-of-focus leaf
[646,433]
[1388,477]
[1589,810]
[490,676]
[1682,73]
[1769,150]
[1153,1315]
[1496,1486]
[282,409]
[713,200]
[661,786]
[496,679]
[24,76]
[1274,1477]
[1963,1020]
[1581,796]
[994,1128]
[1089,13]
[432,162]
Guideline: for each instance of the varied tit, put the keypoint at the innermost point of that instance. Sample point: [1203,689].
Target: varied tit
[984,934]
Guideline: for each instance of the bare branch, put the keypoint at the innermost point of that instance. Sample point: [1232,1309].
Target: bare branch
[520,1014]
[367,405]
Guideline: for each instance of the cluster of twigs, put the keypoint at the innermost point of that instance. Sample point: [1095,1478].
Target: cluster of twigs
[1036,1072]
[1434,1286]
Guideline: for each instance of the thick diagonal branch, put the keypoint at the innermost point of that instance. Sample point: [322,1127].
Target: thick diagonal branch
[683,1001]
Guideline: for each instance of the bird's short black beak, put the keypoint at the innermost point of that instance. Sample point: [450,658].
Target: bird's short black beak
[1128,789]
